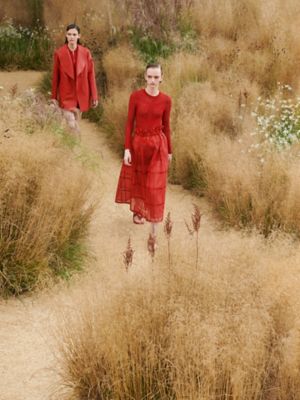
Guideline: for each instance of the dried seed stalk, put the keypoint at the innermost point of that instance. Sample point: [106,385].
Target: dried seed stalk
[195,227]
[128,255]
[168,226]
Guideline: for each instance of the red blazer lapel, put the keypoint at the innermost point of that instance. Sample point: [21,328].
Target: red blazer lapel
[80,60]
[66,61]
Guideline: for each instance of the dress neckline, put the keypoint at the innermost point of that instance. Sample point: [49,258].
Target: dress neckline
[150,95]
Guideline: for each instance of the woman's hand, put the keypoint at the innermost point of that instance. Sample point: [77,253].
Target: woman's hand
[94,103]
[127,157]
[169,157]
[54,102]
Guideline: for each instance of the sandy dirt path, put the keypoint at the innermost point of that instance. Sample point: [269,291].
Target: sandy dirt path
[28,366]
[23,80]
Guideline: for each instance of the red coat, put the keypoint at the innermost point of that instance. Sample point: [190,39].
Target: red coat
[68,90]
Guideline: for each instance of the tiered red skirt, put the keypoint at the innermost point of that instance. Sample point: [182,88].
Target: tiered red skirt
[143,184]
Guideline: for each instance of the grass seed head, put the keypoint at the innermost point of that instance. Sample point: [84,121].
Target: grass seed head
[151,245]
[196,220]
[128,255]
[168,226]
[13,90]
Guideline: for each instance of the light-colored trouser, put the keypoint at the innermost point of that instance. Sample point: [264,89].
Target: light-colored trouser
[72,117]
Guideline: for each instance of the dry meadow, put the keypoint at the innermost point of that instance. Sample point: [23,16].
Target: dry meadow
[224,325]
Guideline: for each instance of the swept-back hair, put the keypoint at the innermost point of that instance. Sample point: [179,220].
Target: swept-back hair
[154,65]
[73,26]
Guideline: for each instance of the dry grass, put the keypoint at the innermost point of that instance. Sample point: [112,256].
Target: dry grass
[122,77]
[98,20]
[251,38]
[16,10]
[245,189]
[246,192]
[183,68]
[159,19]
[122,67]
[44,213]
[115,115]
[229,330]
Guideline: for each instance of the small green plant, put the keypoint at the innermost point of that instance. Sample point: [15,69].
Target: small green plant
[94,114]
[149,47]
[187,34]
[44,85]
[193,175]
[69,259]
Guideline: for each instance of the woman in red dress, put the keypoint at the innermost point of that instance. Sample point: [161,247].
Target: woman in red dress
[143,178]
[73,83]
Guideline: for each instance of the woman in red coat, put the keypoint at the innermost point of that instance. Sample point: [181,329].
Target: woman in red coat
[143,178]
[73,83]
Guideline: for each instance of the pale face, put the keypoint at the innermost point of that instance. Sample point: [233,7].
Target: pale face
[153,78]
[72,36]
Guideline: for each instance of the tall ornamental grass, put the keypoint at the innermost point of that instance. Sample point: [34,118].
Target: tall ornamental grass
[44,215]
[123,74]
[228,329]
[44,196]
[248,172]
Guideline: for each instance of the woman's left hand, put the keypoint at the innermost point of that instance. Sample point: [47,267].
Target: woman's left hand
[169,157]
[94,103]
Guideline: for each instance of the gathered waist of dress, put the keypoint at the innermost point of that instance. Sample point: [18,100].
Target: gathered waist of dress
[149,131]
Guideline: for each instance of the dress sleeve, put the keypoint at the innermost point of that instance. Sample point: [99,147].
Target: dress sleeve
[55,77]
[130,121]
[166,123]
[91,77]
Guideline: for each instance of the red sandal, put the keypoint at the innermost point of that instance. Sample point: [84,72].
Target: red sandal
[138,219]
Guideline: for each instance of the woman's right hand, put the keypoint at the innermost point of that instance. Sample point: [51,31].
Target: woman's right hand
[127,157]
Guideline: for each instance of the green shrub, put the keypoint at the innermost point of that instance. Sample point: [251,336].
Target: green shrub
[24,48]
[150,48]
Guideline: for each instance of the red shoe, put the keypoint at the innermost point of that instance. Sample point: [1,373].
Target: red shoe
[138,219]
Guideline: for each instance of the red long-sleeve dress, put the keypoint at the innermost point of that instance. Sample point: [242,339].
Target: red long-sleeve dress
[143,184]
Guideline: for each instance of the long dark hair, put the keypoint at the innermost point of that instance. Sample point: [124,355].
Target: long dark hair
[73,26]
